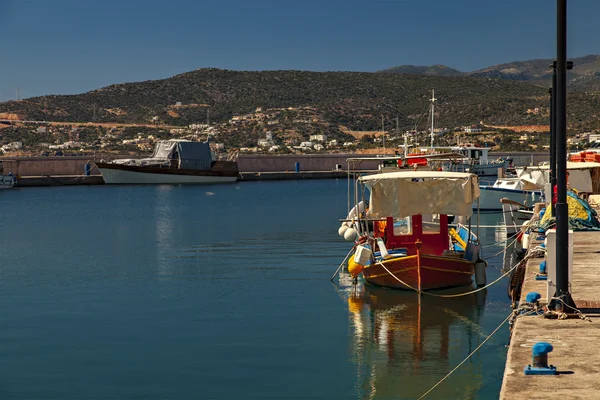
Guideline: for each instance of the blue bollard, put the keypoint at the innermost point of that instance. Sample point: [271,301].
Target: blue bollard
[533,297]
[543,274]
[540,366]
[297,167]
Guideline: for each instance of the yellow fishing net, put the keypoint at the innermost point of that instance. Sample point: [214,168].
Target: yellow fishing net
[576,210]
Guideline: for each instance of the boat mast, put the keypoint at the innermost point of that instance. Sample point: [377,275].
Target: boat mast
[433,99]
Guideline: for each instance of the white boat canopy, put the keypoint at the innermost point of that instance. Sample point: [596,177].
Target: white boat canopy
[580,176]
[406,193]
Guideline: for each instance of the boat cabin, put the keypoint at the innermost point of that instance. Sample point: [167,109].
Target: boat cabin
[176,154]
[478,154]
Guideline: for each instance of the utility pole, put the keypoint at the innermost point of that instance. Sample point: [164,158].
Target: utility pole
[562,214]
[552,92]
[553,139]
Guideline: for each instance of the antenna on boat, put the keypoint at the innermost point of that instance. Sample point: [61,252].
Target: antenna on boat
[433,99]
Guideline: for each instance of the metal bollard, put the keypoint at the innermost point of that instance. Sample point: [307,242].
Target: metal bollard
[543,274]
[533,297]
[540,366]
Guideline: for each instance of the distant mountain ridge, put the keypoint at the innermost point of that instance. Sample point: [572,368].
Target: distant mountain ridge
[585,75]
[430,70]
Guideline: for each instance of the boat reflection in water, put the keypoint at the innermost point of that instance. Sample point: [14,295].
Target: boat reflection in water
[403,344]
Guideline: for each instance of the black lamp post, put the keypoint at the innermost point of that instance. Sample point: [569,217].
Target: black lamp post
[562,214]
[552,92]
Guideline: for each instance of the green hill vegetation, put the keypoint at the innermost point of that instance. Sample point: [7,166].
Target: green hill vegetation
[352,99]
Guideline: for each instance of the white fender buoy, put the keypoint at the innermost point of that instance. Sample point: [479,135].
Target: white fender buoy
[350,234]
[480,274]
[343,230]
[525,241]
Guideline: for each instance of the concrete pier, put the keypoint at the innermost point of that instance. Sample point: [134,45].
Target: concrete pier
[576,342]
[286,176]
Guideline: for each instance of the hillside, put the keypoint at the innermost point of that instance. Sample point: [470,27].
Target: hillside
[356,100]
[431,70]
[585,75]
[352,99]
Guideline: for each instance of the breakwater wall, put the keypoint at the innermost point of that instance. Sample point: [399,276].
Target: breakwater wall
[55,166]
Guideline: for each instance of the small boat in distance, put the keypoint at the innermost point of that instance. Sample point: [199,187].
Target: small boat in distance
[173,161]
[7,181]
[404,240]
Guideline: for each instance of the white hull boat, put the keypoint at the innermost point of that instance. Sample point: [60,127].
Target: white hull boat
[513,189]
[514,217]
[173,162]
[119,176]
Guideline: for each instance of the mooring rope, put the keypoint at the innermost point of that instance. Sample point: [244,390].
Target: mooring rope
[342,264]
[448,295]
[563,314]
[503,250]
[469,356]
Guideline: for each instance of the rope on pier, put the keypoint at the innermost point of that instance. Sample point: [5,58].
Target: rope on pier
[469,356]
[563,314]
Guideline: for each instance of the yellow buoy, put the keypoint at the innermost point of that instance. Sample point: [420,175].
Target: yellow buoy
[354,268]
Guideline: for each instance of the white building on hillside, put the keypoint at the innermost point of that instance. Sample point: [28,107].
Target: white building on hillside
[318,138]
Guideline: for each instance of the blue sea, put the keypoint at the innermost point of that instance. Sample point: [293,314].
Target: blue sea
[221,292]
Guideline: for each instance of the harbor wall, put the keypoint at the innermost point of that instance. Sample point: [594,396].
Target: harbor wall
[55,166]
[39,166]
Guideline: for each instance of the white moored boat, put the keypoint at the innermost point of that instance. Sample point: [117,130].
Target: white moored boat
[515,189]
[173,161]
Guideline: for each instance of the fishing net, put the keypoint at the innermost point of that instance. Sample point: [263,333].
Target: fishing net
[582,217]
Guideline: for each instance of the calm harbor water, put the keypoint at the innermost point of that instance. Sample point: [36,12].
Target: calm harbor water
[220,292]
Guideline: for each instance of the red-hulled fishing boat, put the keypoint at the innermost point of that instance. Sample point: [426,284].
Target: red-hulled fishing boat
[404,240]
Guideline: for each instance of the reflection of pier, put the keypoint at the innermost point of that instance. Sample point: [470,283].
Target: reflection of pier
[402,342]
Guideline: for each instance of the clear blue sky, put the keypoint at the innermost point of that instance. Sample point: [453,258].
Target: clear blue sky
[72,46]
